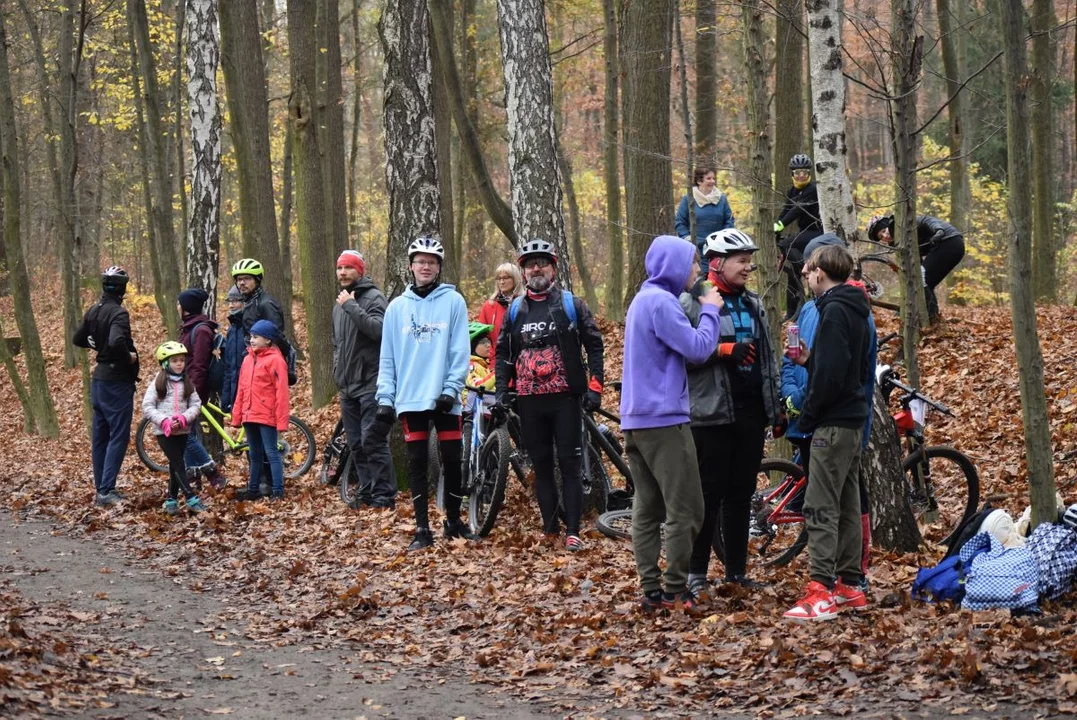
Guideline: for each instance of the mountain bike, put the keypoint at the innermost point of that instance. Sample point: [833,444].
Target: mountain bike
[485,464]
[878,271]
[296,444]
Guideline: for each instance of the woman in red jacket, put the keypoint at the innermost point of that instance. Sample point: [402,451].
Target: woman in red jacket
[261,405]
[508,285]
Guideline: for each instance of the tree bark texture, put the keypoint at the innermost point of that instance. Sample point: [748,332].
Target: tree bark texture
[828,119]
[41,408]
[788,90]
[580,262]
[907,53]
[950,33]
[611,169]
[1036,422]
[179,174]
[204,239]
[1044,190]
[686,116]
[160,182]
[535,178]
[411,169]
[316,256]
[706,82]
[645,49]
[245,80]
[331,117]
[443,143]
[357,105]
[496,207]
[893,525]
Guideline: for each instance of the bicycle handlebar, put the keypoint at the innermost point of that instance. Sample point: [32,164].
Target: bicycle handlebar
[912,393]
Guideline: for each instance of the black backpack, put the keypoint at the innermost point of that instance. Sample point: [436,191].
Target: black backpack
[215,370]
[288,351]
[968,529]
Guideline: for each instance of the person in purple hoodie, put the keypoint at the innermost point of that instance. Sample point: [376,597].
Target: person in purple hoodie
[659,340]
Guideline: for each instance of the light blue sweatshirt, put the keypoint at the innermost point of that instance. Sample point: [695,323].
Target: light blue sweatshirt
[425,351]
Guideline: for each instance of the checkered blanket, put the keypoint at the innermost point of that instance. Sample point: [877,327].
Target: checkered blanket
[998,577]
[1055,550]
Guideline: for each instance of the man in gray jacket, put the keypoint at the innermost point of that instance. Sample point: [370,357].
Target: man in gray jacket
[357,325]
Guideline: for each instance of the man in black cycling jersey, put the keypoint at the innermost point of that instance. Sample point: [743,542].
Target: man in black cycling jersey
[801,207]
[540,348]
[941,249]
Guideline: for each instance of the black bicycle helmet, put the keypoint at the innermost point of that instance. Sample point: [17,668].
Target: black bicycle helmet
[877,224]
[800,161]
[114,279]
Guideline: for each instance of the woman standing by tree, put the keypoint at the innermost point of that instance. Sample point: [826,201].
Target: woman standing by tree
[508,285]
[712,210]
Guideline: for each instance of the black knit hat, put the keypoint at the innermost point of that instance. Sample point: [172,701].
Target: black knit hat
[193,300]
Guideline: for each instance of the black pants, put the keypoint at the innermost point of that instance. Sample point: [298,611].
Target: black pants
[941,259]
[547,421]
[174,448]
[369,450]
[416,428]
[729,457]
[793,249]
[804,446]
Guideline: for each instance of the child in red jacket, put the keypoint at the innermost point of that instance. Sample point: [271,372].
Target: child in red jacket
[261,405]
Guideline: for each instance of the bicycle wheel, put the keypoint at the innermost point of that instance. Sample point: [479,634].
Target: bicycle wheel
[616,524]
[777,542]
[491,477]
[149,452]
[956,486]
[596,486]
[349,485]
[335,457]
[296,445]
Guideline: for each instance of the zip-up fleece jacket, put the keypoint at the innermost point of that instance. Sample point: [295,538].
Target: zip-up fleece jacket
[262,306]
[233,353]
[357,328]
[262,396]
[106,328]
[931,231]
[838,365]
[171,404]
[425,350]
[709,385]
[659,339]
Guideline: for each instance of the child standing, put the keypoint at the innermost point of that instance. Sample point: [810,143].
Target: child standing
[172,405]
[479,372]
[261,405]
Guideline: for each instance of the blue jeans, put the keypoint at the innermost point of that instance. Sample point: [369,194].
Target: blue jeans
[195,455]
[262,440]
[113,404]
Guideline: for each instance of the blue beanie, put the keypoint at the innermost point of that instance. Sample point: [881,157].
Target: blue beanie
[820,241]
[266,329]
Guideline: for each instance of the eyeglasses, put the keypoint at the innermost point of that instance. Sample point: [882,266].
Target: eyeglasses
[801,173]
[504,277]
[537,263]
[425,263]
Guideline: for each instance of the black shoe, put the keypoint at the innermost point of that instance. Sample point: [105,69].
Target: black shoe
[249,495]
[745,582]
[390,504]
[423,539]
[458,529]
[265,489]
[651,602]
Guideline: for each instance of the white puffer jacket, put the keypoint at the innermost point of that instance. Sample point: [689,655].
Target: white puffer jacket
[172,404]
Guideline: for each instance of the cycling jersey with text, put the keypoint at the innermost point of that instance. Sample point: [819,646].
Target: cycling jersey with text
[540,367]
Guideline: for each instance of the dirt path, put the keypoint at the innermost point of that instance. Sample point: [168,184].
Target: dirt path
[200,669]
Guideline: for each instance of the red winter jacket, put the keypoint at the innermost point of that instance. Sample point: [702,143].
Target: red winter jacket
[262,396]
[492,313]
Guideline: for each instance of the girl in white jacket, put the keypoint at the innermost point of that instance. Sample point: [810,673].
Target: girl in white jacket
[172,405]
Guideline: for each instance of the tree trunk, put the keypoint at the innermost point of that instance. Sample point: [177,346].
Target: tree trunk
[535,179]
[953,62]
[893,525]
[411,170]
[474,221]
[357,104]
[611,168]
[682,76]
[759,156]
[580,263]
[1036,422]
[287,180]
[646,39]
[788,90]
[443,143]
[496,207]
[706,82]
[160,183]
[331,117]
[41,409]
[316,256]
[1044,281]
[908,50]
[245,80]
[828,119]
[179,175]
[203,56]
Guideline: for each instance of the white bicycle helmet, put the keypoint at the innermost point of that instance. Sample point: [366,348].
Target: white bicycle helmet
[428,245]
[537,248]
[728,241]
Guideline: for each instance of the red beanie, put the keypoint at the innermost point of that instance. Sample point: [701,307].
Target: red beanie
[352,258]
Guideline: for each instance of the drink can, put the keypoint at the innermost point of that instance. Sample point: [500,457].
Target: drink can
[792,341]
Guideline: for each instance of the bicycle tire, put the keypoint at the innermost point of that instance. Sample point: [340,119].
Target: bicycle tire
[349,486]
[334,457]
[488,492]
[143,453]
[304,433]
[613,522]
[781,543]
[876,284]
[597,492]
[955,485]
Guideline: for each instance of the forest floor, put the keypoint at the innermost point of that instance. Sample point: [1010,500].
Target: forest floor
[262,610]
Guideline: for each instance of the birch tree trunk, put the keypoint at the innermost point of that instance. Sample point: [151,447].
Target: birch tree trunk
[706,82]
[316,257]
[1036,422]
[788,90]
[41,408]
[204,239]
[828,119]
[1044,192]
[645,53]
[535,177]
[953,63]
[411,170]
[611,170]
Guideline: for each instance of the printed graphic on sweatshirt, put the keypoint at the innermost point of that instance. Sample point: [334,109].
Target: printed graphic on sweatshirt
[541,371]
[424,332]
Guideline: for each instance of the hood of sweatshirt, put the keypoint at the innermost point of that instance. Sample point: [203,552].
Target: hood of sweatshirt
[851,297]
[669,262]
[440,290]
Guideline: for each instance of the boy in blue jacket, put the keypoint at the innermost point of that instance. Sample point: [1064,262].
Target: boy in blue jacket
[425,353]
[659,339]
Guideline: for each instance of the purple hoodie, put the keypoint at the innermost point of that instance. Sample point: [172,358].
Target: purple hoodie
[659,339]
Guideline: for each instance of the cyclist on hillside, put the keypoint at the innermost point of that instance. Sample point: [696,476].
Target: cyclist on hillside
[423,363]
[358,315]
[734,398]
[540,348]
[106,328]
[941,249]
[801,207]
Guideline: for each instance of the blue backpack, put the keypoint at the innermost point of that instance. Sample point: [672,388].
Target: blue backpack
[566,299]
[945,581]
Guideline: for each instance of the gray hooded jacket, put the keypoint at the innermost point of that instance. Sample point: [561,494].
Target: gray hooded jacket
[357,328]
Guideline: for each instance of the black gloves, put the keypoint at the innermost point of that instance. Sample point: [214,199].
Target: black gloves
[592,401]
[739,353]
[383,420]
[444,403]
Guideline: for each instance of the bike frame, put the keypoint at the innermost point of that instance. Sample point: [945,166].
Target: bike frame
[234,443]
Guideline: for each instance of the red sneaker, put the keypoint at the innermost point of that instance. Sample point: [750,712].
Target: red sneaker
[817,603]
[849,596]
